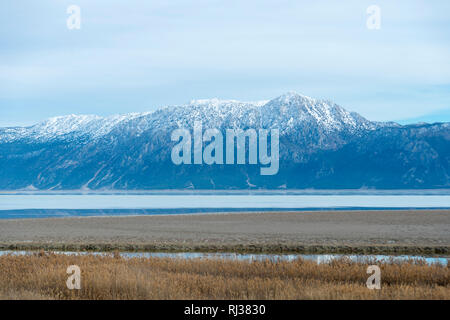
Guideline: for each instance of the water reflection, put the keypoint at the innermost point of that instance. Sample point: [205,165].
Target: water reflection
[319,258]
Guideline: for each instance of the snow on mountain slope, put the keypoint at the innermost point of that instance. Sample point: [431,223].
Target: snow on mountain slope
[291,110]
[286,113]
[70,127]
[321,146]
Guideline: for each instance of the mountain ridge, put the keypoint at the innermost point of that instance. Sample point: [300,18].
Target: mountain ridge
[322,145]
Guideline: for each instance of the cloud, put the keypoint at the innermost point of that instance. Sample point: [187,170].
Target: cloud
[161,52]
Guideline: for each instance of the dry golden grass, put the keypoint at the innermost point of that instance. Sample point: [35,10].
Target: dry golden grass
[43,276]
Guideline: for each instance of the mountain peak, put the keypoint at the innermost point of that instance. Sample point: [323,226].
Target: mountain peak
[215,102]
[292,109]
[292,96]
[211,102]
[288,112]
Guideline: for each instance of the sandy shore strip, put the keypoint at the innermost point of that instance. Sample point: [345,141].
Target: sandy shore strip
[359,232]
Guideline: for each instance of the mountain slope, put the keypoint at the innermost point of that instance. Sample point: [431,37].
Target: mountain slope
[321,145]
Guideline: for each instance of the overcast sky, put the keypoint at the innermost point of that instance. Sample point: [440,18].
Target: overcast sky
[133,56]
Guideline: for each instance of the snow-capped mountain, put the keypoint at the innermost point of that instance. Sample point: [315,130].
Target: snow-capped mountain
[285,112]
[322,145]
[66,127]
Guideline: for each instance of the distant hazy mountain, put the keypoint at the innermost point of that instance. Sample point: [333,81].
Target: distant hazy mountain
[321,146]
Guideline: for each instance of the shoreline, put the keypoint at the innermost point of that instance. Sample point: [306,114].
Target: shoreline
[161,212]
[426,251]
[391,232]
[311,191]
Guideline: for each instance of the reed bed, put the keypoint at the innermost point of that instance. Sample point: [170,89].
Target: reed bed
[43,276]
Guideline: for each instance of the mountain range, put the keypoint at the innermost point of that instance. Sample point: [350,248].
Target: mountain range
[322,146]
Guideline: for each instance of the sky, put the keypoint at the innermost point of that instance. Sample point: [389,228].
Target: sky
[137,55]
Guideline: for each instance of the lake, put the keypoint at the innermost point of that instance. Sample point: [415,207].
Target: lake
[64,204]
[319,258]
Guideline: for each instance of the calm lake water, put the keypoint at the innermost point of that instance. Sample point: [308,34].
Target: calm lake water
[319,258]
[34,205]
